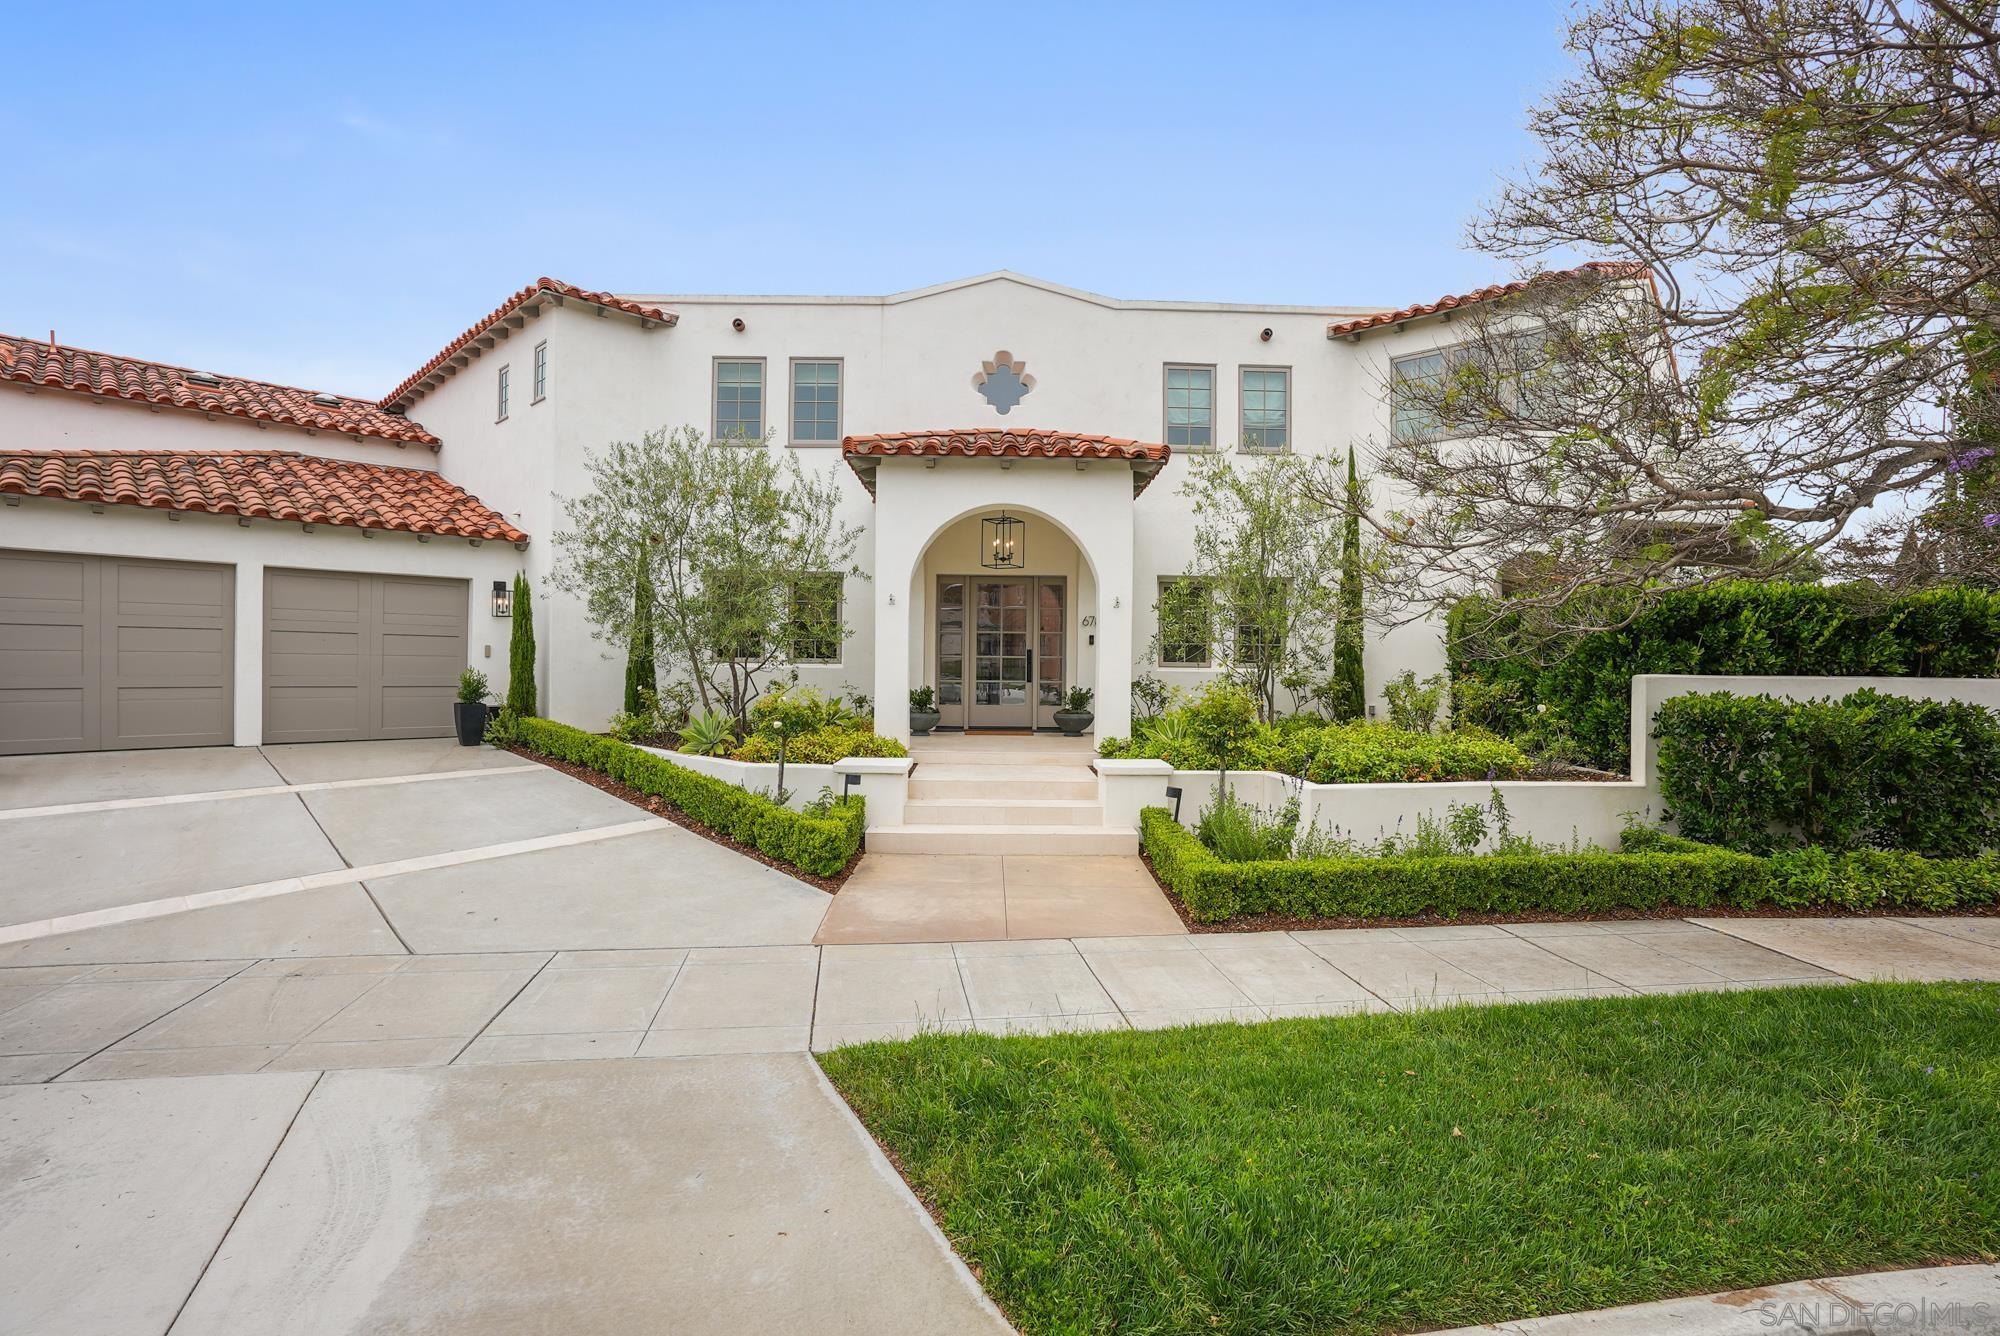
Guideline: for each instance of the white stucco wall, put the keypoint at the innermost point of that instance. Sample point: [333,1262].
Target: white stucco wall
[41,525]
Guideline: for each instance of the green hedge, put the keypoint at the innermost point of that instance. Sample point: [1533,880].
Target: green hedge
[1648,873]
[1329,753]
[1866,771]
[1741,628]
[821,845]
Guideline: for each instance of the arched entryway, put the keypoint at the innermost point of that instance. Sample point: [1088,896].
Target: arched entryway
[927,504]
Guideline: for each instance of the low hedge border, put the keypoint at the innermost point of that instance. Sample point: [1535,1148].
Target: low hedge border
[1653,870]
[820,845]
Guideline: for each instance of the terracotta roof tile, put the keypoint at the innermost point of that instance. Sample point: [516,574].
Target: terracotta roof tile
[261,484]
[1026,443]
[1596,268]
[58,366]
[557,287]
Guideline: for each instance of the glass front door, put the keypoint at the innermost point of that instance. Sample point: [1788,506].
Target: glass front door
[1002,656]
[1000,651]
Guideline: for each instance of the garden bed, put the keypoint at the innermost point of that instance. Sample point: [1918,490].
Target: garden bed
[1463,1166]
[1655,875]
[821,848]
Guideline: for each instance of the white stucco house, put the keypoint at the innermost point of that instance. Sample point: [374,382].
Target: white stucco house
[188,557]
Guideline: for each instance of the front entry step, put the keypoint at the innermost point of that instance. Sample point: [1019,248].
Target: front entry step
[969,838]
[1011,811]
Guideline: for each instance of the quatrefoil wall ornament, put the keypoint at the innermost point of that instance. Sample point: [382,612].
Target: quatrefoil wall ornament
[1002,381]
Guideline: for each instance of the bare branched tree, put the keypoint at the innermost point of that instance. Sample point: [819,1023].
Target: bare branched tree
[1798,202]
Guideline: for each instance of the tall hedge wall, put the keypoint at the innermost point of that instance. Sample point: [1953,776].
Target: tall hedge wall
[1743,628]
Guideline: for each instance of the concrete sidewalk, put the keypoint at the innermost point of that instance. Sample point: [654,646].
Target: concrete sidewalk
[1936,1300]
[725,1195]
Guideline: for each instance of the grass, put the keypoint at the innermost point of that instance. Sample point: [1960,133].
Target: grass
[1378,1173]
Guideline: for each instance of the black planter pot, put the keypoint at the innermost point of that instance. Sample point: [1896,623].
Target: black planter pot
[470,716]
[1074,722]
[923,721]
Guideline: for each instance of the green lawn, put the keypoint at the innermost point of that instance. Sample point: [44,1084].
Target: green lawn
[1377,1173]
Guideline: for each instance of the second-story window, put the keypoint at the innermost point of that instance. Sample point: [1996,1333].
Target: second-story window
[739,400]
[500,395]
[816,402]
[1191,407]
[1267,408]
[541,371]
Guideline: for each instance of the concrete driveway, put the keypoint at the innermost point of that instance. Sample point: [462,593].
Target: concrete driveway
[266,1019]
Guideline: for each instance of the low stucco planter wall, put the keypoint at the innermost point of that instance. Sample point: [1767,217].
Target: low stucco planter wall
[882,781]
[1551,811]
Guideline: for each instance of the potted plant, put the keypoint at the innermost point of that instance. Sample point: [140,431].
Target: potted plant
[1075,716]
[469,714]
[924,714]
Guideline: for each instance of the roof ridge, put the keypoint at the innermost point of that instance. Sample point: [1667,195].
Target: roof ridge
[45,344]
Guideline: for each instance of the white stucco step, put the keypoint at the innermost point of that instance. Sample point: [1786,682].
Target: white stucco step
[987,789]
[1011,810]
[1014,752]
[971,839]
[1012,774]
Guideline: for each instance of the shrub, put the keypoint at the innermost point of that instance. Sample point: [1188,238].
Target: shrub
[1414,705]
[1867,771]
[1739,628]
[818,844]
[796,710]
[1239,833]
[1376,754]
[521,697]
[1647,873]
[473,688]
[709,734]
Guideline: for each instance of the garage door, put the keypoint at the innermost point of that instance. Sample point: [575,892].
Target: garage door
[360,656]
[100,653]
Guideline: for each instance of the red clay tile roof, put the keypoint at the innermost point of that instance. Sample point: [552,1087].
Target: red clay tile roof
[1027,443]
[58,366]
[261,484]
[1596,268]
[395,397]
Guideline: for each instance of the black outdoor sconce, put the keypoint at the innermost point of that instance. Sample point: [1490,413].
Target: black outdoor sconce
[503,599]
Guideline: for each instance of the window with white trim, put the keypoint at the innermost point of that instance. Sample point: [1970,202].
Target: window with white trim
[541,371]
[500,395]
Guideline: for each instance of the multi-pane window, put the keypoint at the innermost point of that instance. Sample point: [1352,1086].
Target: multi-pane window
[1260,623]
[813,625]
[1184,626]
[541,371]
[1414,385]
[500,396]
[1267,408]
[816,402]
[1191,407]
[739,400]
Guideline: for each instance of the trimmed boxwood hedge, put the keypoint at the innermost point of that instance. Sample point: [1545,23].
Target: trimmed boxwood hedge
[1728,629]
[821,845]
[1652,871]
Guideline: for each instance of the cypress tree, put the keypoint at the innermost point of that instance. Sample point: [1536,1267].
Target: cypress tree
[521,651]
[640,672]
[1350,683]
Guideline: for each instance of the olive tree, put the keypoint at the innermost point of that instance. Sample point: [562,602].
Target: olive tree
[723,536]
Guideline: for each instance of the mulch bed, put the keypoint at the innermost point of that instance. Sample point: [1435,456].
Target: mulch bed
[658,807]
[1290,923]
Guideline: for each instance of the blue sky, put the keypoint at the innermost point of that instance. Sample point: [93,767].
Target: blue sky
[324,195]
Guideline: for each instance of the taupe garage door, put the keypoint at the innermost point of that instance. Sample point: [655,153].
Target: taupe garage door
[360,656]
[103,653]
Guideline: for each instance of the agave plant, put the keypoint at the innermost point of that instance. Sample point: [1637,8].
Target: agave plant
[710,734]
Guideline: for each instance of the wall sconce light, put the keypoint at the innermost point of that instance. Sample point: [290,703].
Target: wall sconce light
[1003,542]
[503,599]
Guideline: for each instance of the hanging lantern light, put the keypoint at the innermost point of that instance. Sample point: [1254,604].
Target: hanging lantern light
[1003,542]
